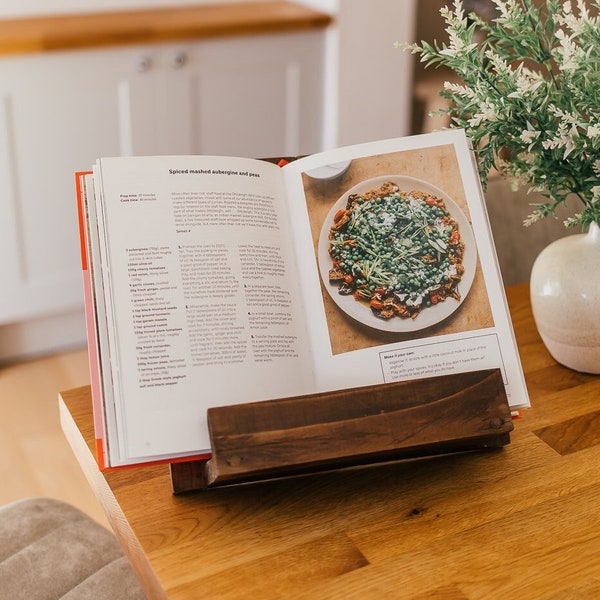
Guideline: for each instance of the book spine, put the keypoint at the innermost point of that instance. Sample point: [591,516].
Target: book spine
[90,324]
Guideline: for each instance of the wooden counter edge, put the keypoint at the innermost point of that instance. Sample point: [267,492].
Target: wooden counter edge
[114,514]
[93,30]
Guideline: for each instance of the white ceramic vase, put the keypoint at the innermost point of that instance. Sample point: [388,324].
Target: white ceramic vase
[565,298]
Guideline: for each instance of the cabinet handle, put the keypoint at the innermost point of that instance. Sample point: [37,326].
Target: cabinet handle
[142,64]
[179,59]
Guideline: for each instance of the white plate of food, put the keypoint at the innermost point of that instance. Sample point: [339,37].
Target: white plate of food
[397,254]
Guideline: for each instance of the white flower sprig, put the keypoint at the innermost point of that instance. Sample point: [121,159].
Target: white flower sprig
[529,97]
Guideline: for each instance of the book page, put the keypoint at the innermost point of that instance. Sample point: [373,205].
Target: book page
[445,310]
[203,305]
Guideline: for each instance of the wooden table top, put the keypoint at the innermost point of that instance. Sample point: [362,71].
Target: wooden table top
[91,30]
[520,522]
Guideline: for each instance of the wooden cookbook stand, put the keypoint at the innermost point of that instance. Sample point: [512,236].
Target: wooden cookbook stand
[409,419]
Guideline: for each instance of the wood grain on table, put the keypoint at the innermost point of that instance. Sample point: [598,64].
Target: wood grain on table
[520,522]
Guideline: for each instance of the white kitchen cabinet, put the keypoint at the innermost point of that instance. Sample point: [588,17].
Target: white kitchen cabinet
[246,97]
[59,111]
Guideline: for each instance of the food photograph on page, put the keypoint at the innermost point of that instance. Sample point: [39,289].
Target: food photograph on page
[396,250]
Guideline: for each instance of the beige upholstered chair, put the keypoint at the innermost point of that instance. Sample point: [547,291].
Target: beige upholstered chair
[51,550]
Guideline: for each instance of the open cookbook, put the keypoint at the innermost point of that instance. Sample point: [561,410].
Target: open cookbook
[211,281]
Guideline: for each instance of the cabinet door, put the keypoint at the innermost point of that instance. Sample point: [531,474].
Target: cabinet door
[259,96]
[57,114]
